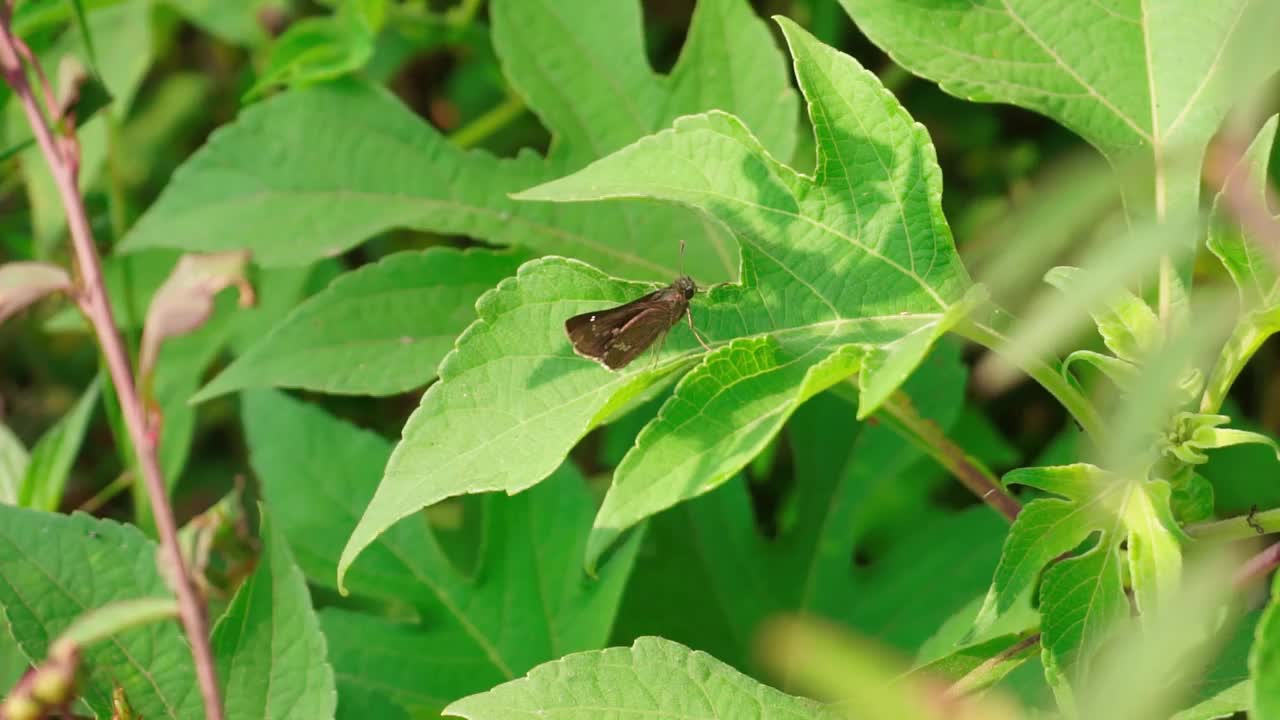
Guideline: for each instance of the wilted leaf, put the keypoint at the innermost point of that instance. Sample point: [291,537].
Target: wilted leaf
[23,283]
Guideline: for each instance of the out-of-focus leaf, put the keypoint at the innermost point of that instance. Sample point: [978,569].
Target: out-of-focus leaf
[185,301]
[54,454]
[239,22]
[23,283]
[1252,270]
[13,465]
[317,49]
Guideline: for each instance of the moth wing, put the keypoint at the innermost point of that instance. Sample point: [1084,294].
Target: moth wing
[591,332]
[636,336]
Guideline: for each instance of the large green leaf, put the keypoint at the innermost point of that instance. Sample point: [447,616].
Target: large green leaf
[53,568]
[530,602]
[292,185]
[1264,662]
[839,273]
[378,330]
[268,647]
[1145,81]
[652,678]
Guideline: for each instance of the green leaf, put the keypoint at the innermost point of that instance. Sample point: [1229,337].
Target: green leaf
[54,568]
[1128,326]
[281,182]
[722,414]
[1075,605]
[418,669]
[316,49]
[530,604]
[268,646]
[1264,662]
[1252,271]
[378,330]
[13,466]
[233,22]
[709,578]
[1186,63]
[652,678]
[55,453]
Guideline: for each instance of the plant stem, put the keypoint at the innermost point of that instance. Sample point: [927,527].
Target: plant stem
[975,679]
[1237,528]
[929,437]
[1048,377]
[478,130]
[1257,567]
[104,495]
[62,154]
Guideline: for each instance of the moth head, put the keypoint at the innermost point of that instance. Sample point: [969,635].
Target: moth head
[686,286]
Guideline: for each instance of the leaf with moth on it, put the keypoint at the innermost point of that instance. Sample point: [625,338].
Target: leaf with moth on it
[834,269]
[1187,63]
[282,180]
[377,330]
[1082,596]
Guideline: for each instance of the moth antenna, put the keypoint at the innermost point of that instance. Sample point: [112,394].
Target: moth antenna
[682,256]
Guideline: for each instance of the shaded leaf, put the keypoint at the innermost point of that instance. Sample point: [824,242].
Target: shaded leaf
[531,603]
[184,301]
[378,330]
[268,647]
[13,466]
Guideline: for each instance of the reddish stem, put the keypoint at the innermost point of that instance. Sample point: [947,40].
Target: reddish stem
[1257,567]
[61,154]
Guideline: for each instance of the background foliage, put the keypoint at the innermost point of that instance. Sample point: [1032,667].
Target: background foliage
[873,195]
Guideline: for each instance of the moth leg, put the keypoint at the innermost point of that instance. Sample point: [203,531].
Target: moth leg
[698,336]
[656,350]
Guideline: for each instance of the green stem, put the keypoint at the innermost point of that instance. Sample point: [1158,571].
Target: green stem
[463,13]
[489,123]
[930,438]
[104,495]
[1048,377]
[1237,528]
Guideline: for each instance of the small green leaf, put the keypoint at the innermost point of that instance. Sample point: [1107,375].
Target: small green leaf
[652,678]
[54,568]
[1191,496]
[55,453]
[102,622]
[378,330]
[1128,325]
[13,466]
[1120,372]
[268,646]
[317,49]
